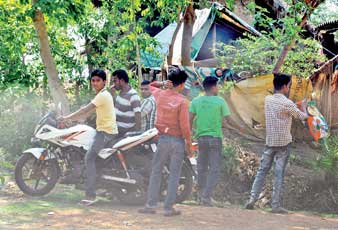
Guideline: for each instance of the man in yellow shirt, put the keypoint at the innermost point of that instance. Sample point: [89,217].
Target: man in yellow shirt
[106,128]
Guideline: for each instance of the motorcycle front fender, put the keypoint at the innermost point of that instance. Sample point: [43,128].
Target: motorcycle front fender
[40,153]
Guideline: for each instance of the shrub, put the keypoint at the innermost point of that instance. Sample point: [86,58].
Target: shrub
[328,162]
[20,109]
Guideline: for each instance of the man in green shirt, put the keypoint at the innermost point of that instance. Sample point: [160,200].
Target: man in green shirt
[207,113]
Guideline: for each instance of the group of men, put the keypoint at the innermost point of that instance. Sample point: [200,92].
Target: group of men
[166,108]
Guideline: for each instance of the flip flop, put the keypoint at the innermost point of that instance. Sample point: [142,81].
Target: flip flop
[147,210]
[172,212]
[87,202]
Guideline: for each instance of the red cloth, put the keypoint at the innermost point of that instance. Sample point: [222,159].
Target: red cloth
[172,112]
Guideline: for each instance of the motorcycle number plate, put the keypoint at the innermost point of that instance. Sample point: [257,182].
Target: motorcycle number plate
[153,147]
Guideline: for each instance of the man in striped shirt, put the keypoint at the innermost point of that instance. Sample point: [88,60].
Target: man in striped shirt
[148,107]
[127,104]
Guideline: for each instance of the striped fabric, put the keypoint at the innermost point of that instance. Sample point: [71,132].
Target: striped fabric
[126,105]
[148,113]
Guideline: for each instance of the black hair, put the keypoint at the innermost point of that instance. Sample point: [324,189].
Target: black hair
[145,82]
[177,76]
[121,75]
[280,79]
[99,73]
[209,82]
[220,70]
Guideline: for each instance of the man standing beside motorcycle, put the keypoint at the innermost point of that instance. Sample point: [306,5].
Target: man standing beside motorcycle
[208,113]
[173,125]
[106,129]
[148,107]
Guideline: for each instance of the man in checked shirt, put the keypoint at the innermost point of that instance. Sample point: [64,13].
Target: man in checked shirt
[279,111]
[148,107]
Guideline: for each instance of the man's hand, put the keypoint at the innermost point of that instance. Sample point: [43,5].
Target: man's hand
[188,150]
[62,119]
[168,84]
[304,105]
[112,90]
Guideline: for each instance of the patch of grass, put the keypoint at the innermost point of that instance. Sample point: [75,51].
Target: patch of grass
[6,165]
[28,207]
[29,210]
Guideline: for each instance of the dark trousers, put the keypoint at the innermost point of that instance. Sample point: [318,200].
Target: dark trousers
[169,148]
[280,156]
[208,164]
[101,139]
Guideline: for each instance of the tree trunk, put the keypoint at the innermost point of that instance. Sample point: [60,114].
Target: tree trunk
[138,60]
[286,49]
[311,3]
[57,92]
[189,20]
[173,39]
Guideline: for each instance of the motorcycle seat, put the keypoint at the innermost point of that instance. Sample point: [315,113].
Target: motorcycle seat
[132,134]
[132,141]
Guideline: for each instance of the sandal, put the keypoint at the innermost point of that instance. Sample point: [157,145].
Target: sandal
[172,212]
[147,210]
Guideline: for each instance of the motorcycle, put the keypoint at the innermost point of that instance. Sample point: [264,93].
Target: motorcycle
[122,170]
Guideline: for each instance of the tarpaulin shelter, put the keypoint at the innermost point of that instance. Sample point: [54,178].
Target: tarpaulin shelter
[246,99]
[213,25]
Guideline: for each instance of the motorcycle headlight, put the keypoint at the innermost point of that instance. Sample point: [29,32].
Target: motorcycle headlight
[35,140]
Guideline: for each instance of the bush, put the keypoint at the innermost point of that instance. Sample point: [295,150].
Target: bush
[230,159]
[328,162]
[20,110]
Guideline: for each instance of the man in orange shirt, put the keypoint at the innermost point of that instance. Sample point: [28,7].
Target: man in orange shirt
[173,125]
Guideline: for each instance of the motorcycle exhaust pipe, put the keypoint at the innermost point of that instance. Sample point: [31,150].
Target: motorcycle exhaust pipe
[119,179]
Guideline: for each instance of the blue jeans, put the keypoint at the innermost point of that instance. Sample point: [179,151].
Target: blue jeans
[208,164]
[169,148]
[101,139]
[280,156]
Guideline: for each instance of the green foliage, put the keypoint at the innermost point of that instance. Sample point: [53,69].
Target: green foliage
[259,55]
[16,34]
[326,11]
[230,160]
[329,160]
[230,4]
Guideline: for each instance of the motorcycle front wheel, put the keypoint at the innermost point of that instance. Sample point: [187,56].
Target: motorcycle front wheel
[35,177]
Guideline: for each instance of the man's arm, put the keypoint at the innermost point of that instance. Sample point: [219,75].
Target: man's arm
[185,125]
[192,117]
[113,92]
[157,84]
[295,112]
[138,121]
[135,103]
[81,113]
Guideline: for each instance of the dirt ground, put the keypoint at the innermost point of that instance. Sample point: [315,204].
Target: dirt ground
[60,211]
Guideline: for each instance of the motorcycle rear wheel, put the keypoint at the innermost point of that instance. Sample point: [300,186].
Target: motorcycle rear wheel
[132,197]
[35,177]
[184,187]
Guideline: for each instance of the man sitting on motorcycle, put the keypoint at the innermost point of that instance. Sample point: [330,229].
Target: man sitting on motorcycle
[173,125]
[106,129]
[127,103]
